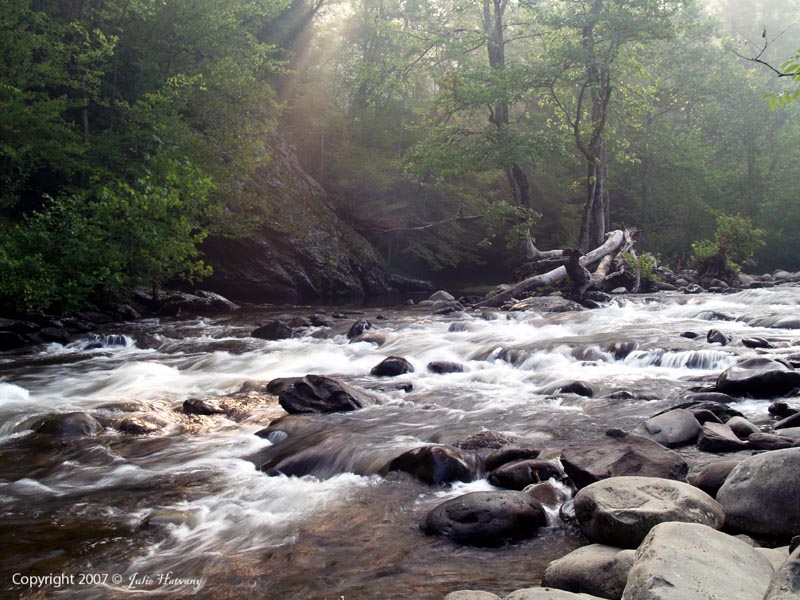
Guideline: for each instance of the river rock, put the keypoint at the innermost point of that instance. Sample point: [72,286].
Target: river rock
[486,518]
[785,584]
[781,410]
[56,335]
[507,455]
[443,366]
[672,428]
[717,437]
[579,388]
[546,593]
[755,342]
[445,307]
[590,569]
[431,464]
[742,427]
[715,336]
[273,330]
[137,426]
[760,495]
[198,406]
[471,595]
[11,340]
[787,422]
[711,477]
[769,441]
[319,394]
[392,366]
[280,384]
[371,337]
[619,453]
[441,295]
[620,511]
[711,401]
[547,493]
[758,378]
[622,349]
[487,439]
[682,561]
[520,474]
[358,328]
[68,425]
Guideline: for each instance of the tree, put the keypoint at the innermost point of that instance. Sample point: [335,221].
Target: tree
[585,45]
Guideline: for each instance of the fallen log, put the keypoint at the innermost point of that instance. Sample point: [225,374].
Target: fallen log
[613,242]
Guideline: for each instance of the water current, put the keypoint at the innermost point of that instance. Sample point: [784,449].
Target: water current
[184,512]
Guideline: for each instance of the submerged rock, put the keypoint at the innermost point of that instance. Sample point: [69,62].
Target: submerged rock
[198,406]
[486,518]
[443,366]
[68,425]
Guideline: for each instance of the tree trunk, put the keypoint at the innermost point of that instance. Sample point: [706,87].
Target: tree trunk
[612,244]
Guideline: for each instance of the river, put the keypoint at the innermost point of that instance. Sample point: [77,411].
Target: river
[184,512]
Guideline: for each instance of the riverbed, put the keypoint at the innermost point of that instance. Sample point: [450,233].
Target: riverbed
[183,511]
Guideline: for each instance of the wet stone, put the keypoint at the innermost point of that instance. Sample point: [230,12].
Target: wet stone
[520,474]
[392,366]
[486,518]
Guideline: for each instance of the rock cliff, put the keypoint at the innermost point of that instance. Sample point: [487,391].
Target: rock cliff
[302,252]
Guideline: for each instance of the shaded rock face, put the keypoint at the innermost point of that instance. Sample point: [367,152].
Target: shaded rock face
[760,494]
[486,518]
[679,561]
[302,252]
[618,454]
[432,464]
[318,394]
[711,477]
[621,511]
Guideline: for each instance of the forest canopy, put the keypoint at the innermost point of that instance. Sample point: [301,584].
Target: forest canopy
[448,133]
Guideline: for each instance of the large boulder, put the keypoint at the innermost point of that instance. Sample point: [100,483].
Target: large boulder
[620,511]
[432,464]
[273,330]
[618,454]
[590,569]
[785,584]
[673,428]
[758,378]
[486,518]
[689,561]
[319,394]
[760,495]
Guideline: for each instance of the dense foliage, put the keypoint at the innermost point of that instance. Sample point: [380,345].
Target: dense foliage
[643,110]
[126,131]
[449,133]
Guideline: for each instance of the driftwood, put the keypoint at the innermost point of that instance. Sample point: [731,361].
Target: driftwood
[614,242]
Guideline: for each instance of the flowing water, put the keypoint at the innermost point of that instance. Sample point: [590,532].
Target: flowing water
[184,511]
